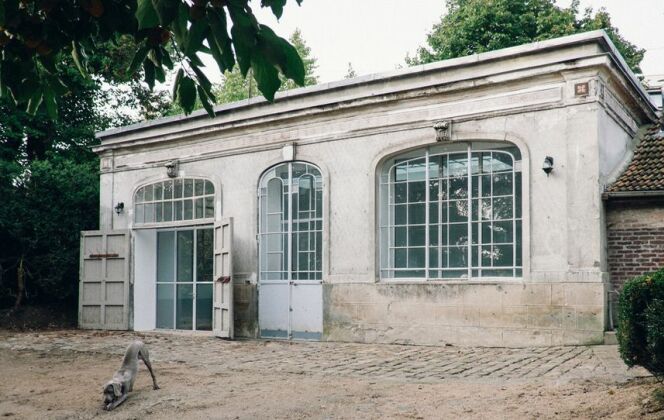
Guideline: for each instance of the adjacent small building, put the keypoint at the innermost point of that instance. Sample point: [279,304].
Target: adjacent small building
[460,202]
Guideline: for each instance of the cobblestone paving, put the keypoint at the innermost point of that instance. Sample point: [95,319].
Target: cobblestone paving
[398,362]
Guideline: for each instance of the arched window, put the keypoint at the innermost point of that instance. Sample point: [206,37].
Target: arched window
[174,200]
[291,222]
[452,212]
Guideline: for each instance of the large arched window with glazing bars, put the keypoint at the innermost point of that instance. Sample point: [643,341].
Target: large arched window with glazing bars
[291,222]
[452,212]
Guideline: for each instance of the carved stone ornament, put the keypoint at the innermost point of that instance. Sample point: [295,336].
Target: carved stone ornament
[443,130]
[172,169]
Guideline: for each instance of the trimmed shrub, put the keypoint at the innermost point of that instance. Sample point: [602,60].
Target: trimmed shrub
[641,322]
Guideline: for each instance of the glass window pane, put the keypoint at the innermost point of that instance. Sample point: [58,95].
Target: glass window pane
[502,184]
[177,188]
[149,213]
[165,305]
[185,255]
[458,234]
[459,187]
[458,210]
[158,212]
[204,307]
[416,192]
[168,211]
[158,191]
[168,190]
[139,195]
[401,214]
[139,215]
[501,162]
[400,258]
[433,213]
[416,170]
[416,235]
[400,238]
[416,214]
[458,256]
[433,234]
[199,206]
[502,232]
[199,185]
[209,188]
[148,193]
[165,256]
[458,164]
[204,249]
[502,208]
[401,172]
[400,192]
[188,211]
[517,194]
[518,243]
[184,307]
[503,256]
[416,258]
[209,207]
[177,206]
[188,187]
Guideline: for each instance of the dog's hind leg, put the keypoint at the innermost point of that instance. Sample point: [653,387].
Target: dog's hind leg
[145,357]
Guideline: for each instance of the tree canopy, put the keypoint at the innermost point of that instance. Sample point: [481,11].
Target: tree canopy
[476,26]
[166,34]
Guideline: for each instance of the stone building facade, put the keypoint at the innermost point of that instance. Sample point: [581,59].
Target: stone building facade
[456,202]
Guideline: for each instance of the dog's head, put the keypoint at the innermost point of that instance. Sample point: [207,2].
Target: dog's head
[112,392]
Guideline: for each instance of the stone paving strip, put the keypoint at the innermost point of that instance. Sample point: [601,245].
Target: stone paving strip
[379,361]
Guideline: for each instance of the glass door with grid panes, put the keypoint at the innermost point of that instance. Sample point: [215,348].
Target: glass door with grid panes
[290,252]
[184,278]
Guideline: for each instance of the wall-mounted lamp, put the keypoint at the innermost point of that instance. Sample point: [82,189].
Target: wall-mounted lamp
[547,167]
[119,208]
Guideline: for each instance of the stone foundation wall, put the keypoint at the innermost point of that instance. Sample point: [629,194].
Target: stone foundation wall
[501,314]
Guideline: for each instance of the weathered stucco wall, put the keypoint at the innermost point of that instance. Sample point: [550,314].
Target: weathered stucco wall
[561,297]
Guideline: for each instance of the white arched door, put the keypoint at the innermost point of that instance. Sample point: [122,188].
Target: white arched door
[290,252]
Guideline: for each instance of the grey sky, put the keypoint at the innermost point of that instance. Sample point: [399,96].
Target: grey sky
[376,35]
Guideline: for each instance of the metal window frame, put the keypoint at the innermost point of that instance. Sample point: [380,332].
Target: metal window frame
[175,283]
[386,242]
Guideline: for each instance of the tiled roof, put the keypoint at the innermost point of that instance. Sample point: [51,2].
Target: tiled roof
[646,170]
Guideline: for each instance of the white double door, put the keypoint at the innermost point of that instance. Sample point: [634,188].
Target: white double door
[291,309]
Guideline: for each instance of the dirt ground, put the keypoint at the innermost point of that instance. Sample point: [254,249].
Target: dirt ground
[38,384]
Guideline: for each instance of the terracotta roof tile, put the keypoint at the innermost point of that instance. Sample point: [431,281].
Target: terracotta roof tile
[646,170]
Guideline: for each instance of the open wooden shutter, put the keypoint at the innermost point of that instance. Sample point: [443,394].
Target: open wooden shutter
[222,306]
[104,280]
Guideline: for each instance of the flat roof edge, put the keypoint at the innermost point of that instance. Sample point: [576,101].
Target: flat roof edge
[599,36]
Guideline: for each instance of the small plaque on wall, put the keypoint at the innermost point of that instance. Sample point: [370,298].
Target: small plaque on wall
[581,89]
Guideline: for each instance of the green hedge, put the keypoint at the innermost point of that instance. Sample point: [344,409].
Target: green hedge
[641,322]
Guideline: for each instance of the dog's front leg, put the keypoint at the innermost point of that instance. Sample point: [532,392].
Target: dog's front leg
[116,403]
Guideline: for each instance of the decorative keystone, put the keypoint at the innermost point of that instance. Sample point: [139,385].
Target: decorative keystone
[443,130]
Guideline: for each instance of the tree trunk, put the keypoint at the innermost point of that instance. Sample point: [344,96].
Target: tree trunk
[20,285]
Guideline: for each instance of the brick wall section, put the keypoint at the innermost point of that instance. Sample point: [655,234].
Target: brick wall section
[635,239]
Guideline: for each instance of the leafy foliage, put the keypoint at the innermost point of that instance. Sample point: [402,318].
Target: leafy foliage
[641,322]
[476,26]
[236,87]
[34,33]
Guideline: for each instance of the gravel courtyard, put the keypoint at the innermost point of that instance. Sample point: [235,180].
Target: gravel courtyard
[60,375]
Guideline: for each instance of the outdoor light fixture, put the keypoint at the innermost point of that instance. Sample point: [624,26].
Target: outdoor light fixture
[547,167]
[119,208]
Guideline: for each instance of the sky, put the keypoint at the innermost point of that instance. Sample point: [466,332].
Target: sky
[376,35]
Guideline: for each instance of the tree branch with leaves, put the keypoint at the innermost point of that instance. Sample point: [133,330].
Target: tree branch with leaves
[34,32]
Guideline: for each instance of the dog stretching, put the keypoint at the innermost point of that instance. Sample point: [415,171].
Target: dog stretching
[116,390]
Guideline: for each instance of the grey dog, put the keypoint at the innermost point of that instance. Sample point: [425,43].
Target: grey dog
[116,390]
